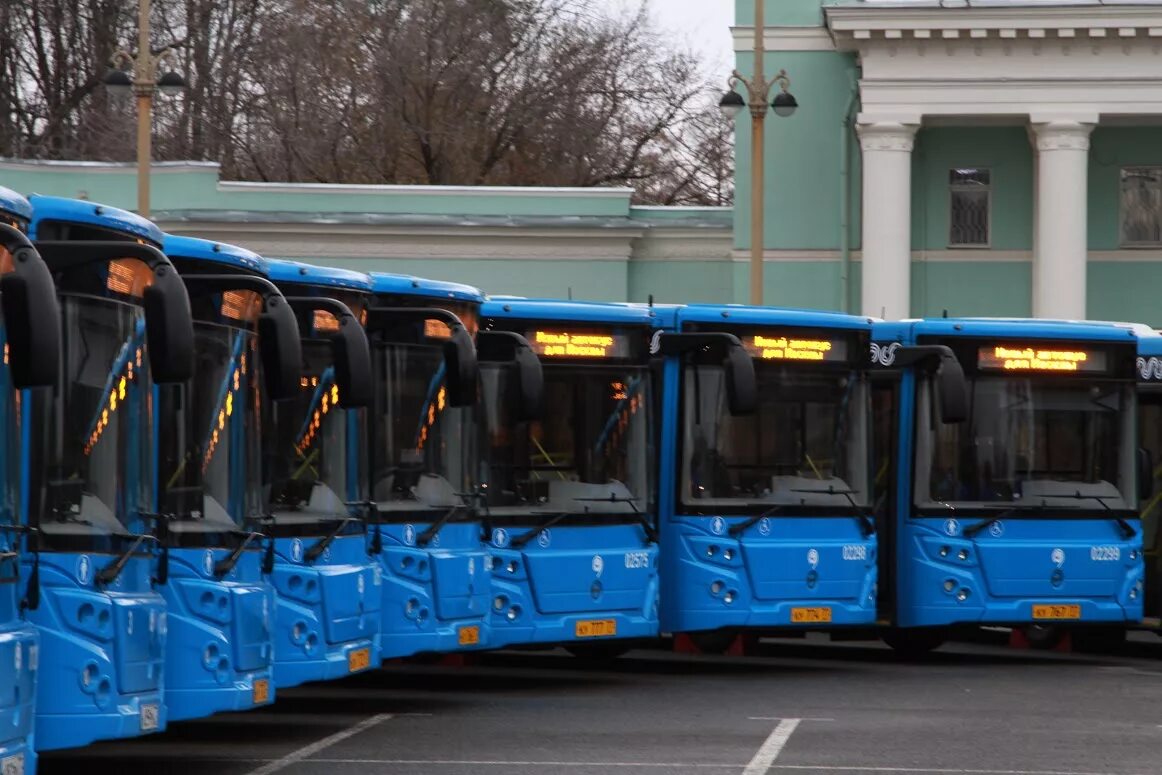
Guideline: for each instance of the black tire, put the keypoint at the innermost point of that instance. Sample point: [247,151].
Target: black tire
[713,641]
[914,643]
[1042,637]
[1098,640]
[605,651]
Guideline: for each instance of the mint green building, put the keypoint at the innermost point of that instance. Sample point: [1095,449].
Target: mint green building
[977,156]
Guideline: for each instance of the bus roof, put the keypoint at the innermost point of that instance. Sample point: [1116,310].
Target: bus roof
[56,208]
[385,282]
[218,252]
[579,311]
[284,271]
[1013,328]
[770,316]
[15,203]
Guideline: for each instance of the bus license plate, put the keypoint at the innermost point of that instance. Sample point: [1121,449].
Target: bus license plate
[595,628]
[820,614]
[261,691]
[469,636]
[359,659]
[149,717]
[12,765]
[1054,611]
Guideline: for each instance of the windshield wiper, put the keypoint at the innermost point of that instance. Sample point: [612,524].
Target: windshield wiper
[226,564]
[643,520]
[423,538]
[110,572]
[524,538]
[321,545]
[736,530]
[867,525]
[1127,529]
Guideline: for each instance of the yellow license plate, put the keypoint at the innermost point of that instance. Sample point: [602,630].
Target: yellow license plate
[820,614]
[595,628]
[1056,611]
[359,659]
[469,636]
[261,691]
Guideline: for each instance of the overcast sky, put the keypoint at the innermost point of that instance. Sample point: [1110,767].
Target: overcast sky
[703,24]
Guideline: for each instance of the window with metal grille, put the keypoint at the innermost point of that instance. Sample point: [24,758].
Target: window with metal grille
[1141,206]
[970,199]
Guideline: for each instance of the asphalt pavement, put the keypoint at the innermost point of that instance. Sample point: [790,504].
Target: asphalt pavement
[796,707]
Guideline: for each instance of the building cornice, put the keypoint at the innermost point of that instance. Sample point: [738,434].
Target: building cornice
[851,25]
[784,39]
[424,192]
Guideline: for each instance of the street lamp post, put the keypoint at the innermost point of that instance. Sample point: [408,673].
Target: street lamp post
[144,83]
[758,90]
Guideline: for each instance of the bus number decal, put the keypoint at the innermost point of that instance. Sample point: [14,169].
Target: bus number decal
[1105,553]
[854,552]
[637,560]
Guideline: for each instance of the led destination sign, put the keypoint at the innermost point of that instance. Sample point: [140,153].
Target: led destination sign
[1017,358]
[548,343]
[795,348]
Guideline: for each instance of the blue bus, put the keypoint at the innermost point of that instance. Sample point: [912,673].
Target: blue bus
[1012,476]
[766,493]
[423,466]
[126,327]
[327,616]
[1150,438]
[30,340]
[567,491]
[219,652]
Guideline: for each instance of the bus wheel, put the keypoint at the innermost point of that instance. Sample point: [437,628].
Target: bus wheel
[1098,640]
[914,642]
[598,652]
[1042,637]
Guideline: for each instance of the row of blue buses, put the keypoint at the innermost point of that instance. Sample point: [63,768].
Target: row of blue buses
[227,475]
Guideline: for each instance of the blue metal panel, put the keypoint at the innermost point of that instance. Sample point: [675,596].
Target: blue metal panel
[15,204]
[407,285]
[215,252]
[567,311]
[80,211]
[299,273]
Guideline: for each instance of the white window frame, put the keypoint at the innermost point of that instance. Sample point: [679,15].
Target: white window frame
[1124,243]
[953,188]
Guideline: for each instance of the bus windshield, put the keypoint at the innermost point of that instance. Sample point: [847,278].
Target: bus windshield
[424,450]
[1030,443]
[210,467]
[808,444]
[97,472]
[319,458]
[588,455]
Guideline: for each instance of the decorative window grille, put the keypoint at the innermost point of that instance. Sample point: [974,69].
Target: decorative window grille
[970,200]
[1141,206]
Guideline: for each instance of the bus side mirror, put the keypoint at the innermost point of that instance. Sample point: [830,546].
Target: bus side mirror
[1145,474]
[169,327]
[953,390]
[352,356]
[511,349]
[281,348]
[32,321]
[742,393]
[460,367]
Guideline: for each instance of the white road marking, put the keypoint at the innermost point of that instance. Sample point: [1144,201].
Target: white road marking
[771,747]
[492,763]
[780,718]
[314,748]
[937,770]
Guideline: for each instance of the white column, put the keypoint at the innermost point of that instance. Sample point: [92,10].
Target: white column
[887,219]
[1061,213]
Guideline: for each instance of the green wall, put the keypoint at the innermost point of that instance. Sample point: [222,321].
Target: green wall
[1112,148]
[677,281]
[791,13]
[1006,151]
